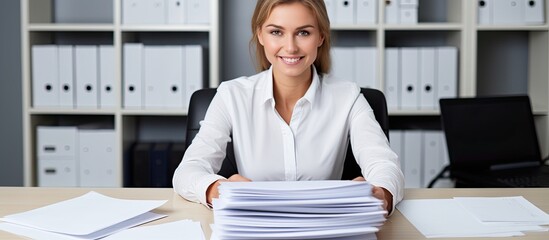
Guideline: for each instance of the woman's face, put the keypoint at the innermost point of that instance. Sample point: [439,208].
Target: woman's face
[290,37]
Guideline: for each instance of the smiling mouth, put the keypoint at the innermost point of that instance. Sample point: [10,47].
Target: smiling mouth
[291,60]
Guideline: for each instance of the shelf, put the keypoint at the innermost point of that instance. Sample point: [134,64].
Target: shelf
[424,27]
[71,27]
[512,28]
[414,112]
[165,28]
[66,111]
[154,112]
[337,27]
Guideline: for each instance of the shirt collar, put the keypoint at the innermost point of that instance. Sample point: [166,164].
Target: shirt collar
[309,95]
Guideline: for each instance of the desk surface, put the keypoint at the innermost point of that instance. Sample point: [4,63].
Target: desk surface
[19,199]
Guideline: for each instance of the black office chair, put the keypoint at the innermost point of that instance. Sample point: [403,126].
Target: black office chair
[200,100]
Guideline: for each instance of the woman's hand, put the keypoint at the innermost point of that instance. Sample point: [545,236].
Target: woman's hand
[381,193]
[213,192]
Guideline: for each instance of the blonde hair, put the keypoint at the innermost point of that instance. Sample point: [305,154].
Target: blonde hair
[263,10]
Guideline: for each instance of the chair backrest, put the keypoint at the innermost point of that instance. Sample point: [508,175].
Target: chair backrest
[200,100]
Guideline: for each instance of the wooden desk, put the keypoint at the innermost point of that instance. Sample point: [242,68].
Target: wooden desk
[19,199]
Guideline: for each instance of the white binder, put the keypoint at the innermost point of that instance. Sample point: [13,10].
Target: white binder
[392,11]
[343,63]
[409,70]
[57,156]
[133,74]
[345,11]
[86,76]
[392,78]
[396,138]
[107,75]
[447,59]
[155,12]
[365,67]
[133,11]
[174,96]
[427,86]
[408,14]
[66,76]
[412,157]
[432,155]
[485,11]
[155,66]
[508,12]
[97,158]
[193,71]
[366,11]
[176,11]
[534,11]
[330,8]
[45,81]
[198,12]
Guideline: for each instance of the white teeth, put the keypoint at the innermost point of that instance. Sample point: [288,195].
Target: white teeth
[290,60]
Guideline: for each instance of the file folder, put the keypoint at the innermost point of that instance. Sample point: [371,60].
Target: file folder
[57,157]
[392,11]
[508,12]
[408,14]
[176,11]
[366,11]
[432,155]
[409,91]
[343,63]
[155,12]
[133,10]
[107,76]
[447,74]
[174,96]
[198,12]
[427,87]
[156,64]
[412,158]
[485,11]
[66,76]
[345,11]
[133,74]
[365,67]
[45,80]
[392,78]
[86,76]
[534,11]
[194,72]
[396,145]
[330,8]
[97,158]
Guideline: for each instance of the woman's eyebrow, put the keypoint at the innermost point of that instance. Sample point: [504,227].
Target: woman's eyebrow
[299,28]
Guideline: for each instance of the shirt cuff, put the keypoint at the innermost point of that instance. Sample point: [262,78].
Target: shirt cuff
[203,185]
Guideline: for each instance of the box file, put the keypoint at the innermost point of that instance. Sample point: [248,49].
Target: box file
[97,158]
[396,137]
[86,76]
[534,11]
[427,86]
[365,67]
[132,11]
[447,74]
[133,74]
[508,11]
[409,70]
[343,63]
[392,78]
[66,76]
[330,8]
[45,80]
[412,158]
[57,156]
[485,11]
[107,75]
[408,14]
[198,12]
[174,76]
[432,155]
[392,11]
[344,11]
[176,11]
[366,11]
[164,81]
[194,75]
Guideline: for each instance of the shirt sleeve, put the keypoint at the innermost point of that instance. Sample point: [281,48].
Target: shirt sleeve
[204,156]
[379,163]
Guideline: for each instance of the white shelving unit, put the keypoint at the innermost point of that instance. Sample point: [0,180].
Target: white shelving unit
[39,27]
[526,47]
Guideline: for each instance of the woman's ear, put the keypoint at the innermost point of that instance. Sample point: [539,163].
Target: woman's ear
[260,36]
[321,41]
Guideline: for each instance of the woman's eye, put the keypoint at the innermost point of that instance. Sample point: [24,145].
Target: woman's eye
[303,33]
[276,32]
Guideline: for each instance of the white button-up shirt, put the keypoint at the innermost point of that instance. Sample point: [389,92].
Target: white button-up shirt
[311,147]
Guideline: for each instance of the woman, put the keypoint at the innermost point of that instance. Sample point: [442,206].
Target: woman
[291,121]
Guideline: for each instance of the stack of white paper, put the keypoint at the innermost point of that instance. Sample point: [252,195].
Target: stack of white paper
[474,216]
[296,210]
[90,216]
